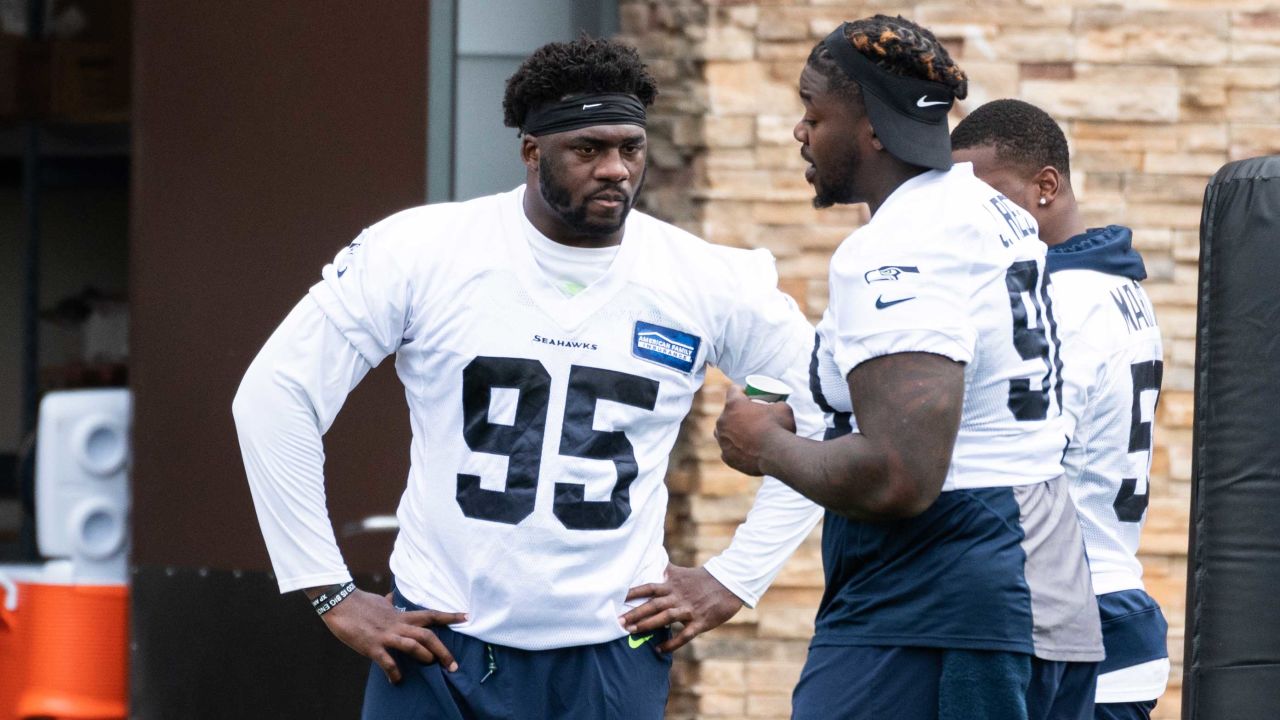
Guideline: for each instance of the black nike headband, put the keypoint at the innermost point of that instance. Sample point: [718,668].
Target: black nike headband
[582,111]
[908,114]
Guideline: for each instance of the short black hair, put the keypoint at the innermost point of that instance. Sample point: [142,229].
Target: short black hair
[897,46]
[586,65]
[1022,134]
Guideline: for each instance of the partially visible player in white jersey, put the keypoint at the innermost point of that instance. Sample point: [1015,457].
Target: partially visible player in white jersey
[1112,361]
[550,341]
[956,582]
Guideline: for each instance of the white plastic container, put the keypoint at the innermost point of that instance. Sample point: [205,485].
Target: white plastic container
[81,488]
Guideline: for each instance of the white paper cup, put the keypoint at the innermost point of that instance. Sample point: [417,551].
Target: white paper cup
[762,388]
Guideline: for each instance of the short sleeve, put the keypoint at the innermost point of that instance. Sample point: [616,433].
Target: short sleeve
[884,303]
[762,320]
[767,334]
[365,293]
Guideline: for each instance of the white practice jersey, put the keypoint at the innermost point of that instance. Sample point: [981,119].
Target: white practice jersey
[949,266]
[1112,360]
[542,423]
[1112,357]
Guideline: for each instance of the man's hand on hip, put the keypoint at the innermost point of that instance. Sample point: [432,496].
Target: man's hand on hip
[691,596]
[371,625]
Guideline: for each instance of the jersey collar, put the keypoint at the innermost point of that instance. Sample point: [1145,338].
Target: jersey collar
[568,312]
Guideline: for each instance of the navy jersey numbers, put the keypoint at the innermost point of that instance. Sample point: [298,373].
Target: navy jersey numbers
[1129,505]
[521,441]
[1032,341]
[587,386]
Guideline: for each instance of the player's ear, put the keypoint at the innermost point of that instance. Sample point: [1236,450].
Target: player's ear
[875,139]
[1048,183]
[529,152]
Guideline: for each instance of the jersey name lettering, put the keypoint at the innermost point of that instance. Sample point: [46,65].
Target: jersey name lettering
[1134,308]
[1014,217]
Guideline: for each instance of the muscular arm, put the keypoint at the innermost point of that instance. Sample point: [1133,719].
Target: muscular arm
[908,409]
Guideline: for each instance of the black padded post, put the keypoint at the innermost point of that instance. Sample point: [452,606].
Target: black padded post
[1232,660]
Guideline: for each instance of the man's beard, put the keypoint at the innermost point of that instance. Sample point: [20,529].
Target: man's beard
[837,189]
[558,197]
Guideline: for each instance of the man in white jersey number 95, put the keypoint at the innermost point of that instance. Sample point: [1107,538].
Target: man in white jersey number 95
[956,584]
[550,341]
[1112,362]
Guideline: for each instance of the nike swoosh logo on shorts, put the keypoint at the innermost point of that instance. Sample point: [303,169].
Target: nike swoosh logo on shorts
[921,102]
[636,642]
[881,304]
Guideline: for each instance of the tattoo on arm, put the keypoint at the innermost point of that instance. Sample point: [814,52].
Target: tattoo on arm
[910,404]
[908,409]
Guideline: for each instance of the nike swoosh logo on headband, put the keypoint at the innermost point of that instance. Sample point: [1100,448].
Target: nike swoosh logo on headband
[592,105]
[921,102]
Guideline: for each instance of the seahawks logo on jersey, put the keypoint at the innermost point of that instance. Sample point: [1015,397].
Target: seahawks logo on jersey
[888,272]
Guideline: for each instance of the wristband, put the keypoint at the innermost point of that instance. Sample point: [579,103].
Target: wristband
[325,601]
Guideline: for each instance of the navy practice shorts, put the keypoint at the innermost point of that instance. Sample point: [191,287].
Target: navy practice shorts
[1137,665]
[589,682]
[912,683]
[1062,690]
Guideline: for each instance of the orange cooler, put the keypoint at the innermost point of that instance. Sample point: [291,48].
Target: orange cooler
[77,639]
[64,653]
[12,662]
[13,643]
